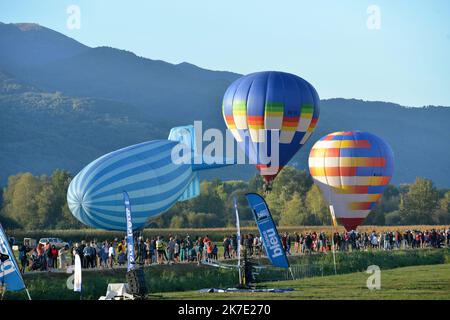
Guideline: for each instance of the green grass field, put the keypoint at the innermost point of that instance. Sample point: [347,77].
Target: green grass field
[419,282]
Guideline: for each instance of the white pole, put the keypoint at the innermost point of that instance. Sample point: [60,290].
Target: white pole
[292,274]
[333,218]
[334,253]
[28,294]
[238,239]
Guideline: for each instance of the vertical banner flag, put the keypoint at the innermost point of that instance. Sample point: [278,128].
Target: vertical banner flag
[130,239]
[77,274]
[333,216]
[268,230]
[10,276]
[238,237]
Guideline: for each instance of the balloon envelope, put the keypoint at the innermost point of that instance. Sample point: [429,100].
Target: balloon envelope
[352,169]
[260,104]
[146,171]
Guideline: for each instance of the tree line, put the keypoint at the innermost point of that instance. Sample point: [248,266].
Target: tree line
[39,202]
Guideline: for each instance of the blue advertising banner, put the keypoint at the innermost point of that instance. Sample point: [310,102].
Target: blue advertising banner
[10,276]
[268,230]
[130,239]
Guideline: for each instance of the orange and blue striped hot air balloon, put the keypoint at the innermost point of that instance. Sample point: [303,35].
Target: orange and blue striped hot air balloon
[260,104]
[352,168]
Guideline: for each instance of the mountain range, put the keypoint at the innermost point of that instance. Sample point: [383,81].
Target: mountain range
[63,104]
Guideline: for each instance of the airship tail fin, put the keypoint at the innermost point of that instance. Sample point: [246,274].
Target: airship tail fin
[192,190]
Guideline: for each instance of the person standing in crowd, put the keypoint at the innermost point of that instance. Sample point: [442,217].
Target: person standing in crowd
[209,250]
[398,239]
[202,248]
[54,257]
[171,250]
[381,240]
[297,242]
[234,245]
[288,243]
[249,244]
[87,254]
[74,252]
[71,255]
[33,258]
[62,257]
[322,242]
[23,258]
[205,241]
[97,254]
[385,240]
[199,250]
[182,250]
[215,251]
[262,250]
[226,248]
[161,250]
[141,251]
[188,245]
[345,241]
[255,245]
[48,255]
[121,253]
[104,250]
[80,252]
[153,251]
[374,240]
[283,241]
[41,256]
[111,255]
[352,240]
[302,243]
[94,250]
[176,251]
[148,253]
[411,239]
[194,250]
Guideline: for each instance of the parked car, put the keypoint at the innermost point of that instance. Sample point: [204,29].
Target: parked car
[57,242]
[30,242]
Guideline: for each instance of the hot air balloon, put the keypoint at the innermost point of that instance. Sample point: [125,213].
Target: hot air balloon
[260,104]
[352,168]
[146,171]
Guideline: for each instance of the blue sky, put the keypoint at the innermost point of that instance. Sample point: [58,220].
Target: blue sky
[326,42]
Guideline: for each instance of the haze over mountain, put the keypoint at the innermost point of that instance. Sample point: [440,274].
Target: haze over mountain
[63,104]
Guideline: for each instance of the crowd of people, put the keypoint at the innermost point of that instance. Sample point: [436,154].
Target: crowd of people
[320,242]
[175,249]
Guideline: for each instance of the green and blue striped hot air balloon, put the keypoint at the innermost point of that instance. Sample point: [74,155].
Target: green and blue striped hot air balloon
[261,104]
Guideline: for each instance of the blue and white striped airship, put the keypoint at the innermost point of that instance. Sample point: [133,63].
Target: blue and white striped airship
[146,171]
